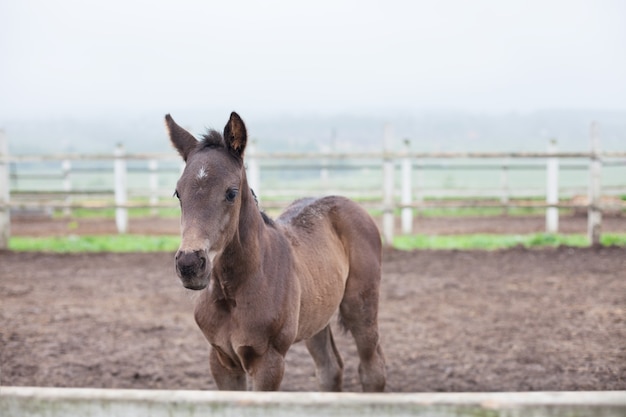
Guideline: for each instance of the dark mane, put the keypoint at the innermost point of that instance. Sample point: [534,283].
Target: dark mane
[212,140]
[267,220]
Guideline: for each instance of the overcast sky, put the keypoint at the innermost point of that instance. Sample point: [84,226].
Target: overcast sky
[84,58]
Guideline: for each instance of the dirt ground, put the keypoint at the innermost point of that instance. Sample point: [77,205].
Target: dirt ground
[511,320]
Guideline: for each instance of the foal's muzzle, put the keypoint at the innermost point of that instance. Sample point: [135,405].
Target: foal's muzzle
[193,268]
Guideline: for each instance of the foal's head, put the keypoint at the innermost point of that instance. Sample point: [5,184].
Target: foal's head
[209,191]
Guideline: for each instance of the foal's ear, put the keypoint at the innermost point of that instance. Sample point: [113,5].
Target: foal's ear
[182,140]
[235,135]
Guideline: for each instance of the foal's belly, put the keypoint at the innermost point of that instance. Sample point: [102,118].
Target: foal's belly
[321,293]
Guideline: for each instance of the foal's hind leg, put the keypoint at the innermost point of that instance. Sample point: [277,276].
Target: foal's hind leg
[359,314]
[328,363]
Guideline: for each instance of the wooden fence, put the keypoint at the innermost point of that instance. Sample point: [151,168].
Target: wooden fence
[396,191]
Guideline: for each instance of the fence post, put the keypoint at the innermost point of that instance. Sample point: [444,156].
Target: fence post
[419,186]
[66,168]
[254,171]
[5,209]
[552,189]
[594,216]
[119,170]
[388,186]
[504,186]
[153,167]
[407,197]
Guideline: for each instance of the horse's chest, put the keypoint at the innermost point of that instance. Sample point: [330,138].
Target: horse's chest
[216,320]
[227,326]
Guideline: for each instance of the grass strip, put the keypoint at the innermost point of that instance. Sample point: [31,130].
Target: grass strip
[144,243]
[493,242]
[103,243]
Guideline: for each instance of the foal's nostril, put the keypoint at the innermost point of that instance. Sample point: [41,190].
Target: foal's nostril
[187,263]
[202,258]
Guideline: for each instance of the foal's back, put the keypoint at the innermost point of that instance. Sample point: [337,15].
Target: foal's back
[317,219]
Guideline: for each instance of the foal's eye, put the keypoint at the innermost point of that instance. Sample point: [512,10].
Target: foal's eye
[231,194]
[176,194]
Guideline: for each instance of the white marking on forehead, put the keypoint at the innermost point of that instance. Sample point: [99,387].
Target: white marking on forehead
[202,173]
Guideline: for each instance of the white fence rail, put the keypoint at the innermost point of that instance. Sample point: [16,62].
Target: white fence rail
[62,402]
[375,180]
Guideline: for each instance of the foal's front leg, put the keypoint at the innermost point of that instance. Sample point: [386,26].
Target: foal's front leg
[266,370]
[227,375]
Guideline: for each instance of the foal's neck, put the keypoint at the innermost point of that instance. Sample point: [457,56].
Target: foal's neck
[241,257]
